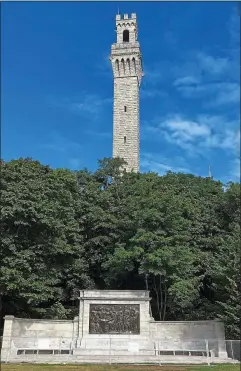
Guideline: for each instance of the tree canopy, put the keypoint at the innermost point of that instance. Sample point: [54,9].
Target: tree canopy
[177,235]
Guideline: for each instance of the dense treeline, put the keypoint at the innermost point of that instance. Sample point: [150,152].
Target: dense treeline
[177,235]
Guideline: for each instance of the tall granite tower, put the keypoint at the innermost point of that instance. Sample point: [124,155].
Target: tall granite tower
[127,70]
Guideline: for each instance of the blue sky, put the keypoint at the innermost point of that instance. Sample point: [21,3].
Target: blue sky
[57,84]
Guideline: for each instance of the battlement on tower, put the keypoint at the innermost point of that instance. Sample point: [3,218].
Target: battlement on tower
[125,17]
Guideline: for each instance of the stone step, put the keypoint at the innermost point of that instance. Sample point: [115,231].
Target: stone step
[131,359]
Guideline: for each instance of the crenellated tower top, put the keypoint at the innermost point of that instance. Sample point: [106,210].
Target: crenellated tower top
[126,28]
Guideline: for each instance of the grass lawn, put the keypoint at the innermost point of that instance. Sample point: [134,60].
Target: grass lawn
[33,367]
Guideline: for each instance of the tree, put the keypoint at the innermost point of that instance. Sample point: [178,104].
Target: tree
[228,264]
[176,235]
[40,234]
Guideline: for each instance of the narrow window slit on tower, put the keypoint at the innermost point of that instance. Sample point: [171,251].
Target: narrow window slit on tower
[125,108]
[125,139]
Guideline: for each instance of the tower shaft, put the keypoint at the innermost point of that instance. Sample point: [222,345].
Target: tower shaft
[127,71]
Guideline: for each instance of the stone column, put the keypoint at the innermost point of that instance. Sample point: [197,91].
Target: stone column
[80,318]
[75,335]
[7,338]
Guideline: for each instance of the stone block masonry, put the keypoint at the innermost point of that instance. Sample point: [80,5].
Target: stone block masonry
[126,135]
[126,63]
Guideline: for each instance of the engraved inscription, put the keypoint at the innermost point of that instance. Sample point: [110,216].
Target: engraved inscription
[114,319]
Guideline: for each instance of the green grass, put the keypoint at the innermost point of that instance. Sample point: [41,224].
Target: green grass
[34,367]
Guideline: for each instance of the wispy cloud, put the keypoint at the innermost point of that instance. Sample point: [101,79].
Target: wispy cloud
[154,163]
[90,105]
[186,81]
[235,169]
[213,77]
[103,66]
[102,134]
[74,163]
[233,27]
[152,93]
[170,38]
[59,143]
[153,75]
[228,93]
[216,93]
[212,65]
[69,150]
[87,105]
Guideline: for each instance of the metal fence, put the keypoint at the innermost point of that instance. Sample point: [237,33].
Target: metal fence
[114,349]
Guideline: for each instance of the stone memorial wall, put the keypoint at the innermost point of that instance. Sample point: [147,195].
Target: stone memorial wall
[113,324]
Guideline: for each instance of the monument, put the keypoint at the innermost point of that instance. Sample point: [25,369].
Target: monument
[126,63]
[114,319]
[113,326]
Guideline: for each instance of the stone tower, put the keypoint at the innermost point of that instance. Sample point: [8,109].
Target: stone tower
[127,70]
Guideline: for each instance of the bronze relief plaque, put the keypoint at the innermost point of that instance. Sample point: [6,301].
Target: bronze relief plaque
[114,319]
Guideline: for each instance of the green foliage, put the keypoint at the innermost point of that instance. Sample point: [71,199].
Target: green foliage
[176,235]
[40,235]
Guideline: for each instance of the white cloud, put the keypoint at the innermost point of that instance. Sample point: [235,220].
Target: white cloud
[199,134]
[186,130]
[211,78]
[228,140]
